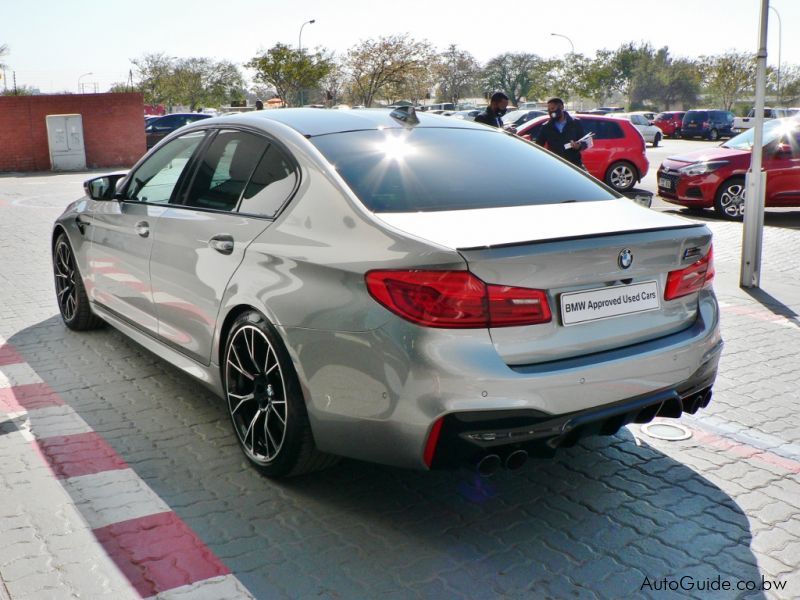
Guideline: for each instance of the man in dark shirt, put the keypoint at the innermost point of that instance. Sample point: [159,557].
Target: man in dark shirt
[493,114]
[561,133]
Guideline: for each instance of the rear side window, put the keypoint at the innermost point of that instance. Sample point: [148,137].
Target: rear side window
[433,169]
[225,169]
[697,115]
[603,130]
[272,183]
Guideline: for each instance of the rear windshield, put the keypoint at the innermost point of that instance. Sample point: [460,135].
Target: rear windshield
[432,169]
[696,115]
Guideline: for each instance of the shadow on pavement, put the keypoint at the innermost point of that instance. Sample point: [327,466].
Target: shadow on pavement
[605,519]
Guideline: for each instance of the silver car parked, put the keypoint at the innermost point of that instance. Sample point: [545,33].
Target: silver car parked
[401,288]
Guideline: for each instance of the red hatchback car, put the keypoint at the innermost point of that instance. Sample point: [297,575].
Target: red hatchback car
[617,155]
[715,177]
[670,123]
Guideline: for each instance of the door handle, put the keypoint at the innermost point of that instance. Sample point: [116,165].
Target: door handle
[222,243]
[143,228]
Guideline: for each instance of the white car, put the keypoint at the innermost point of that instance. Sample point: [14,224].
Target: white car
[650,133]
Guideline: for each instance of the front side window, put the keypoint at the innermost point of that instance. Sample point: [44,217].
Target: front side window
[155,180]
[224,170]
[436,169]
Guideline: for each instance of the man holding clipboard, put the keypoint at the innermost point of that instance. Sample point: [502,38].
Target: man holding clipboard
[562,134]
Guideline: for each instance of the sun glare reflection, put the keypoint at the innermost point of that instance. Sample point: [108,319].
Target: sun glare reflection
[396,148]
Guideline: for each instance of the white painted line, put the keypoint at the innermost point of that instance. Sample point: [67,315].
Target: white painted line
[746,435]
[56,421]
[18,374]
[113,496]
[215,588]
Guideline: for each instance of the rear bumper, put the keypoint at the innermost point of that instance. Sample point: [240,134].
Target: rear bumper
[377,395]
[467,437]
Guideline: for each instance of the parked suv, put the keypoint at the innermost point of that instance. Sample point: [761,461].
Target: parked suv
[670,123]
[617,155]
[709,124]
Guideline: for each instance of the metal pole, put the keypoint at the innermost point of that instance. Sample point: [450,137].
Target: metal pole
[79,80]
[780,43]
[300,49]
[755,182]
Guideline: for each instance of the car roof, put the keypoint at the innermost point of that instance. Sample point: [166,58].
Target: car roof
[312,122]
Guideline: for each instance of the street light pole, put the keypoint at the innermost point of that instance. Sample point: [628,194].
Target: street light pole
[300,35]
[300,48]
[79,80]
[756,178]
[780,43]
[566,38]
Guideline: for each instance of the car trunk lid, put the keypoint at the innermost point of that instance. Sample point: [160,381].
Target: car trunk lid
[579,255]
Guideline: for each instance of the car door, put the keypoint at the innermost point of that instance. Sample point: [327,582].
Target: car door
[202,236]
[121,233]
[783,171]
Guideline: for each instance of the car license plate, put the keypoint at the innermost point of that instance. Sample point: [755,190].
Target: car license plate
[608,302]
[664,183]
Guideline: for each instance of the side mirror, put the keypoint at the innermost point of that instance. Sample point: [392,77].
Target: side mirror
[783,151]
[102,188]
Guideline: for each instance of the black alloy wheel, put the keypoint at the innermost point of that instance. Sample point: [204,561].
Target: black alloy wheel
[73,304]
[265,401]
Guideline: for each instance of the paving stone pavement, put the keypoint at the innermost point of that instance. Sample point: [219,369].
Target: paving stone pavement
[613,517]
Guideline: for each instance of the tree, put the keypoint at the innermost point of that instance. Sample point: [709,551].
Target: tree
[386,64]
[517,75]
[198,82]
[333,84]
[456,74]
[680,83]
[290,71]
[728,76]
[594,78]
[789,94]
[153,73]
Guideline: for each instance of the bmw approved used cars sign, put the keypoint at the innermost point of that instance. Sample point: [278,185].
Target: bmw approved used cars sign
[604,303]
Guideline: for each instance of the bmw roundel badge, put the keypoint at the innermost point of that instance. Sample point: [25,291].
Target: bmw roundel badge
[625,258]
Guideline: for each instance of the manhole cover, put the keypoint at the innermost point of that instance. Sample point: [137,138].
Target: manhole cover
[666,431]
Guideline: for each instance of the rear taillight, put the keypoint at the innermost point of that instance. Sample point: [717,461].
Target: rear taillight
[456,300]
[690,279]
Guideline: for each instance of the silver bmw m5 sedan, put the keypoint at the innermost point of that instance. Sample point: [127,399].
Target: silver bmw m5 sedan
[400,288]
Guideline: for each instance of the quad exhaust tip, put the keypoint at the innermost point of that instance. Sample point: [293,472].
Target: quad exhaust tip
[488,465]
[516,460]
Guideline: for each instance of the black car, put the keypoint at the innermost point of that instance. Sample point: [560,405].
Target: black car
[159,128]
[709,124]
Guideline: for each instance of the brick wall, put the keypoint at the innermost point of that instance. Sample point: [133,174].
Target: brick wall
[113,129]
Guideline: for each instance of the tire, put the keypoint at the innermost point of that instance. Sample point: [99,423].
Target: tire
[656,140]
[622,176]
[729,201]
[713,135]
[265,401]
[73,304]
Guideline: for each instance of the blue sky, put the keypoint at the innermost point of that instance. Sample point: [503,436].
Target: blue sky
[54,42]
